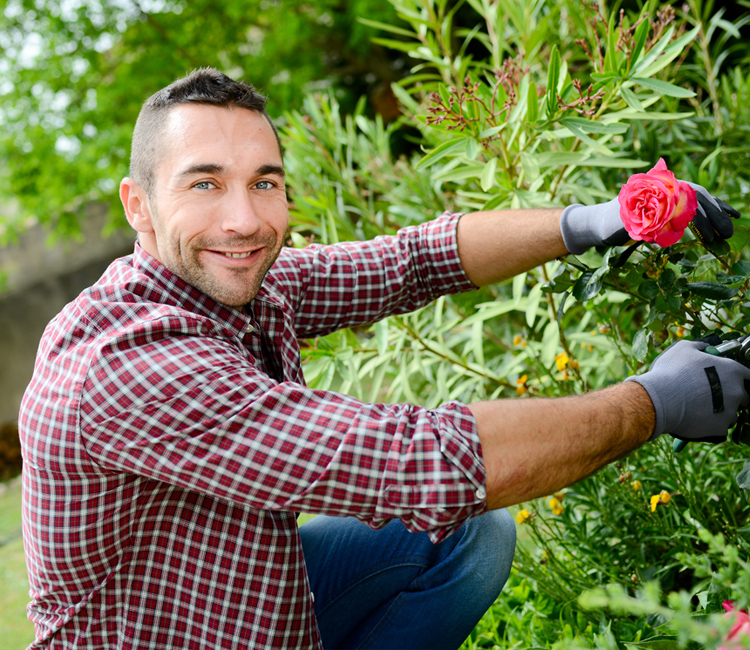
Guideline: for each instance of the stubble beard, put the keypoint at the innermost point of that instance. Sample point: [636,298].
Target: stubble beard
[235,292]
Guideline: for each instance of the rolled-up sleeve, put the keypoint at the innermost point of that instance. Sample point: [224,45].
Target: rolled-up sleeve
[347,284]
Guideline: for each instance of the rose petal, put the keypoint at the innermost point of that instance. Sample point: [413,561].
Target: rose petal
[655,207]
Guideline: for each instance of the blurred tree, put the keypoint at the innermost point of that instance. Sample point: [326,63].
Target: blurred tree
[75,72]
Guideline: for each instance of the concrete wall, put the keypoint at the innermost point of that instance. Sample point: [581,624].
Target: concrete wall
[40,281]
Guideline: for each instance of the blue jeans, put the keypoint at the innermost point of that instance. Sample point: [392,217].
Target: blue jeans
[394,589]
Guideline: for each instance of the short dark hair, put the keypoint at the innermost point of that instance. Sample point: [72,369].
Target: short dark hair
[202,86]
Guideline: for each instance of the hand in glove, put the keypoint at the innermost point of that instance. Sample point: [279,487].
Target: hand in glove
[696,396]
[584,226]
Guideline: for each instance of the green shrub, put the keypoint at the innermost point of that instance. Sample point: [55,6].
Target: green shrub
[536,104]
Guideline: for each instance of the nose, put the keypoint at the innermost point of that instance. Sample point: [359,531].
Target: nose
[240,214]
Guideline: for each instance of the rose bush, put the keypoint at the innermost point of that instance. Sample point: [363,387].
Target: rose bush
[656,207]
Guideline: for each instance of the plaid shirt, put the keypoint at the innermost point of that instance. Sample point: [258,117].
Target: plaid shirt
[169,441]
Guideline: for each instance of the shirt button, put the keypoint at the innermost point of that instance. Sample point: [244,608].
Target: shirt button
[312,596]
[481,493]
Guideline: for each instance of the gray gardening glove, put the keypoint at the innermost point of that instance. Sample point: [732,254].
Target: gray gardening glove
[696,395]
[713,219]
[584,226]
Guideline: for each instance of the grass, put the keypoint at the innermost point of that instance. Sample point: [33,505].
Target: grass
[17,632]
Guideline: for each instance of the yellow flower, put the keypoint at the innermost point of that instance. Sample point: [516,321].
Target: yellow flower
[663,497]
[560,495]
[523,516]
[573,364]
[521,384]
[680,332]
[519,340]
[561,361]
[636,485]
[557,507]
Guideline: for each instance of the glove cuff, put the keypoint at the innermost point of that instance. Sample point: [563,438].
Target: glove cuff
[577,227]
[659,418]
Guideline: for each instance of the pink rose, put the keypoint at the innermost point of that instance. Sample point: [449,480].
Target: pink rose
[739,634]
[656,207]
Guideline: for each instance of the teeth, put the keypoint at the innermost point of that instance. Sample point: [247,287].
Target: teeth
[238,256]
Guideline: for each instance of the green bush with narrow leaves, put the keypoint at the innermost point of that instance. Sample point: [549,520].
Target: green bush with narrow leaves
[541,103]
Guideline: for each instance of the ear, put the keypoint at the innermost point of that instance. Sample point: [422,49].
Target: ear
[135,201]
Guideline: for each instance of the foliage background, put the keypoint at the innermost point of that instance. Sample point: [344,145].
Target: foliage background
[501,104]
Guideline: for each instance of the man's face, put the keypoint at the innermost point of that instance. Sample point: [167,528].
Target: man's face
[219,213]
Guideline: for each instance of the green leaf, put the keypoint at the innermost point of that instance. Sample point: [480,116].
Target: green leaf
[667,278]
[472,148]
[586,287]
[488,133]
[518,284]
[712,290]
[648,289]
[550,342]
[532,102]
[640,344]
[535,297]
[632,114]
[386,27]
[579,133]
[589,126]
[742,268]
[381,336]
[631,99]
[488,174]
[639,40]
[650,65]
[731,279]
[393,44]
[669,303]
[664,87]
[581,158]
[610,58]
[613,161]
[743,478]
[553,76]
[657,643]
[530,167]
[477,340]
[451,147]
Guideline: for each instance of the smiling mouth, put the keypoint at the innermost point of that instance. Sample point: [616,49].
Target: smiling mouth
[237,256]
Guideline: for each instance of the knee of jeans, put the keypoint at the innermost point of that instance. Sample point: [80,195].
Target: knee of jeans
[493,546]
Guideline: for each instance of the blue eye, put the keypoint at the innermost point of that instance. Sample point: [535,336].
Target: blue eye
[203,185]
[264,185]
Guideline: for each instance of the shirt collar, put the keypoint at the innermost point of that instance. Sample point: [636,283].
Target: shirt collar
[172,289]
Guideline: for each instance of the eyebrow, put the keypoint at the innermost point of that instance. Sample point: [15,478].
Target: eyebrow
[215,168]
[271,169]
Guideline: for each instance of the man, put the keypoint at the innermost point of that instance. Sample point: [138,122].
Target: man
[169,439]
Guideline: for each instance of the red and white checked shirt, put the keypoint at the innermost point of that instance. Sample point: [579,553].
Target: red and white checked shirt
[169,441]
